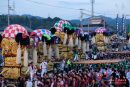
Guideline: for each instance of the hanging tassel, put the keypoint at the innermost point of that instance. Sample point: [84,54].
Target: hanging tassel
[104,39]
[57,51]
[84,47]
[79,44]
[50,52]
[95,56]
[87,46]
[129,41]
[76,41]
[30,53]
[18,58]
[34,56]
[30,50]
[65,39]
[93,40]
[107,40]
[44,49]
[71,44]
[25,57]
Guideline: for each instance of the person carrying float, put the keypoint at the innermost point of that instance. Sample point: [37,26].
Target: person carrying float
[32,70]
[43,67]
[75,52]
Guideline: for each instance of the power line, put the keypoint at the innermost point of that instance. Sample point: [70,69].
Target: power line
[41,3]
[13,7]
[56,6]
[101,13]
[92,2]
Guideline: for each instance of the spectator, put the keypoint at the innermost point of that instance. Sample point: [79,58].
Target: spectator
[29,83]
[43,67]
[20,82]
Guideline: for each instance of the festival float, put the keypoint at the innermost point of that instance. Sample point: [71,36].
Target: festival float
[100,38]
[64,30]
[14,50]
[81,42]
[44,46]
[36,43]
[71,39]
[44,43]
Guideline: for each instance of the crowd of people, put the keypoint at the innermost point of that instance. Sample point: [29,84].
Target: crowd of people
[106,55]
[67,74]
[94,53]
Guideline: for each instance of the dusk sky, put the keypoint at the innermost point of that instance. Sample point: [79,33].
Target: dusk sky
[67,9]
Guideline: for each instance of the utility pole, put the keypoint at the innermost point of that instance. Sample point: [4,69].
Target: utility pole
[117,25]
[8,12]
[81,17]
[13,7]
[92,2]
[123,25]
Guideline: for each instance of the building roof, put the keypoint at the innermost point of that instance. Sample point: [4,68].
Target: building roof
[89,29]
[92,20]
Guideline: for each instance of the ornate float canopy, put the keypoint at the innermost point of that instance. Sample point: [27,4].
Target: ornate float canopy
[100,30]
[60,25]
[12,30]
[41,32]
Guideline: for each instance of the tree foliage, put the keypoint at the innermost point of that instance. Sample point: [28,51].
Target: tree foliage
[33,22]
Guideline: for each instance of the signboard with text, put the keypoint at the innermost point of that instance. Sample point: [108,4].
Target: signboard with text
[96,21]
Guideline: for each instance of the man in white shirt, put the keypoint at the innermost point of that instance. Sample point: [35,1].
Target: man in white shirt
[29,83]
[38,83]
[31,70]
[62,65]
[87,57]
[128,76]
[43,67]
